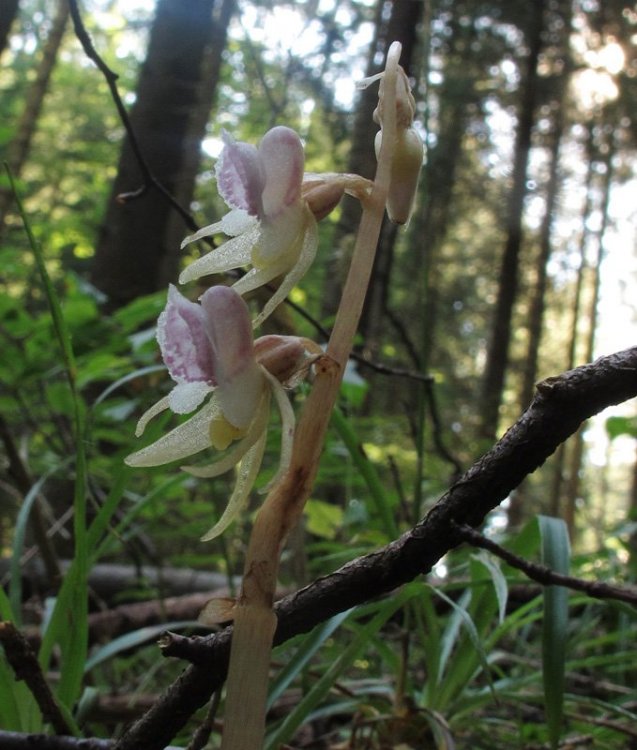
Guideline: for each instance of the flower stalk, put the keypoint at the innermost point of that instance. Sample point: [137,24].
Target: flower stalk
[254,620]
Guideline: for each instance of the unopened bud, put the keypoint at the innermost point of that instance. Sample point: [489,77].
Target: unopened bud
[323,198]
[282,356]
[405,170]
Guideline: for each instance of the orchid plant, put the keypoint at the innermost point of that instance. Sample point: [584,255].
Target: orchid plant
[209,351]
[230,379]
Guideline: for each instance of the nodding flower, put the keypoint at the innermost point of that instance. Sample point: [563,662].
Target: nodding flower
[274,209]
[211,355]
[270,224]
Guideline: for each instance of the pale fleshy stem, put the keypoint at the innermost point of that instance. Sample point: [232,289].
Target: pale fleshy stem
[254,621]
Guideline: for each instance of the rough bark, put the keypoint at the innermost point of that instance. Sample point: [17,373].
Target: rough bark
[561,404]
[136,251]
[498,350]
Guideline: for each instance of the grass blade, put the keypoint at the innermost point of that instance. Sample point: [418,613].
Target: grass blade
[310,645]
[69,623]
[555,555]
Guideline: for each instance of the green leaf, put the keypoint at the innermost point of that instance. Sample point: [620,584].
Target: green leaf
[616,426]
[498,579]
[323,519]
[15,580]
[555,555]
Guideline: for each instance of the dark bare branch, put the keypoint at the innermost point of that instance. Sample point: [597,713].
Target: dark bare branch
[25,665]
[546,576]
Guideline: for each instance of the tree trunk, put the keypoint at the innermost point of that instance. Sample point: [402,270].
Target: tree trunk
[561,455]
[19,146]
[498,350]
[575,467]
[8,13]
[137,248]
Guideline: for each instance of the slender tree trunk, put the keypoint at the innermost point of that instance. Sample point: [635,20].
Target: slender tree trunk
[8,14]
[184,190]
[19,146]
[516,511]
[498,350]
[573,486]
[538,301]
[136,251]
[561,455]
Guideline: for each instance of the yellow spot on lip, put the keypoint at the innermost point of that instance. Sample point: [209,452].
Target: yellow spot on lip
[222,433]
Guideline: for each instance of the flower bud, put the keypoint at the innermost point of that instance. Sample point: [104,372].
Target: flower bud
[323,198]
[282,356]
[405,170]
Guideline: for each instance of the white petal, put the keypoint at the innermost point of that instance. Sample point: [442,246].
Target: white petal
[186,397]
[279,236]
[258,277]
[207,231]
[288,423]
[155,409]
[232,254]
[308,253]
[248,470]
[237,222]
[235,454]
[190,437]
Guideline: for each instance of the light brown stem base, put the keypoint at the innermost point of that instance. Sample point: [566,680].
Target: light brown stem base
[254,626]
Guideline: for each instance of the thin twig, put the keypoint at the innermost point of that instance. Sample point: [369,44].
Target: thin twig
[150,181]
[25,664]
[544,575]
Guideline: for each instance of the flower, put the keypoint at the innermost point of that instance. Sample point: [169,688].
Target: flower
[208,348]
[270,224]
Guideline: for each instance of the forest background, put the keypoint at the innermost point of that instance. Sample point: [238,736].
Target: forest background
[519,263]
